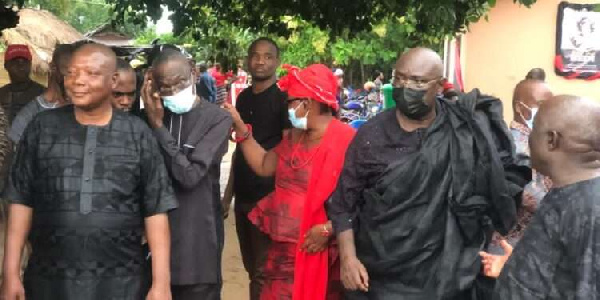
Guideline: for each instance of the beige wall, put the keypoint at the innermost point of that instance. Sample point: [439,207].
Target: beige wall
[499,53]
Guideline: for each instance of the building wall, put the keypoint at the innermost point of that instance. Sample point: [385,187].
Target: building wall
[499,53]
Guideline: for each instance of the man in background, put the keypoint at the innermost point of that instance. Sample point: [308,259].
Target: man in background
[124,92]
[262,105]
[206,84]
[21,89]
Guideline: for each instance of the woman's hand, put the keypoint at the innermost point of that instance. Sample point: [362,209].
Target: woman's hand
[316,239]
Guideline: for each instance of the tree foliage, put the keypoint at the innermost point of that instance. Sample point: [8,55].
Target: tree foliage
[434,17]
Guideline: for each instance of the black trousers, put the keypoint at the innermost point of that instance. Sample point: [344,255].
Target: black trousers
[199,291]
[253,246]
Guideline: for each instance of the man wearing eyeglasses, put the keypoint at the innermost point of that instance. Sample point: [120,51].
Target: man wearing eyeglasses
[124,92]
[422,190]
[192,134]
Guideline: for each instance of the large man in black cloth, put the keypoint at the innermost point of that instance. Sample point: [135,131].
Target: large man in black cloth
[557,258]
[85,182]
[422,190]
[264,106]
[193,136]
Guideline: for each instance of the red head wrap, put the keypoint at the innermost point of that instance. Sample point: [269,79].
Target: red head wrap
[316,82]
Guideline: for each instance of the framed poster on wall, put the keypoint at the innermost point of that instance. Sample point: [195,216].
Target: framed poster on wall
[578,41]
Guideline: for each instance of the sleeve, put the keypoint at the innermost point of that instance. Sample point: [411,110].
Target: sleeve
[21,175]
[190,165]
[157,190]
[530,270]
[346,199]
[21,120]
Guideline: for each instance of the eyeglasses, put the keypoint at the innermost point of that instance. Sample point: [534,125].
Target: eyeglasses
[292,100]
[413,83]
[124,94]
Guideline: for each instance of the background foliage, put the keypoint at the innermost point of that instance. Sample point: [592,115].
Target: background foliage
[358,35]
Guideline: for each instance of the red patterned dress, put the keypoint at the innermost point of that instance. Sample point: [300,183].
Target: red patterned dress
[281,214]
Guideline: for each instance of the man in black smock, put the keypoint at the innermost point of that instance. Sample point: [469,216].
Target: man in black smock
[422,189]
[264,106]
[558,256]
[86,180]
[192,134]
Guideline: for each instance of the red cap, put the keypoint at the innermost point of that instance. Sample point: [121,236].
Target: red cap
[17,50]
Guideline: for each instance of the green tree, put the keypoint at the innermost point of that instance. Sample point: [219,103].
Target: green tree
[434,17]
[83,15]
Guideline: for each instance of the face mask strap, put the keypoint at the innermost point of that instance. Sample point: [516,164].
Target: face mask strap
[530,111]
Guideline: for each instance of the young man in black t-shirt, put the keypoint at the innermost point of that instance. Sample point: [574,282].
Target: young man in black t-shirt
[263,105]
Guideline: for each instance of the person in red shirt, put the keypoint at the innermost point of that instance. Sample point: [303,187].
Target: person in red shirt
[220,78]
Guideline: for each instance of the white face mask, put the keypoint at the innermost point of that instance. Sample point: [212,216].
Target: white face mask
[181,102]
[300,123]
[533,111]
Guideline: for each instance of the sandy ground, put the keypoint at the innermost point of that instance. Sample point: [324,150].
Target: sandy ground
[235,285]
[235,278]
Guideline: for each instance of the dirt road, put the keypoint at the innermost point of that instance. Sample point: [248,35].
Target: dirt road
[235,278]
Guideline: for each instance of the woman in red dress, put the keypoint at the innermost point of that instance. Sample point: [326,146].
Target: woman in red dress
[302,261]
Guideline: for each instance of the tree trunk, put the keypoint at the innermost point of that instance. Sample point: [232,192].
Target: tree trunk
[362,72]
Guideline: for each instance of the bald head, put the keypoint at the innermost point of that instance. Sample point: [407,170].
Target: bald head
[566,132]
[421,62]
[105,56]
[577,119]
[172,72]
[172,61]
[528,94]
[91,77]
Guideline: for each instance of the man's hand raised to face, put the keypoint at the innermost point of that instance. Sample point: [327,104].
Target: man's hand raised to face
[152,102]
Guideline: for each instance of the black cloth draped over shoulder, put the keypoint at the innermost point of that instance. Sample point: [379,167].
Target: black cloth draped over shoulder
[433,210]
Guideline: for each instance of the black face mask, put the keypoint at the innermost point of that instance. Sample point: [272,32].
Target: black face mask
[411,102]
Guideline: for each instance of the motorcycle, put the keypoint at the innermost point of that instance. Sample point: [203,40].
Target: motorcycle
[357,111]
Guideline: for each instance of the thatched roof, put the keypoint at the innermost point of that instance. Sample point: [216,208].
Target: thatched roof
[41,30]
[107,34]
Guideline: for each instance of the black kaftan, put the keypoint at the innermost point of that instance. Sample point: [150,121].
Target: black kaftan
[90,189]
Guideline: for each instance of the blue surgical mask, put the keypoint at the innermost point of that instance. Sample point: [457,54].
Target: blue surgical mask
[300,123]
[530,121]
[533,111]
[181,102]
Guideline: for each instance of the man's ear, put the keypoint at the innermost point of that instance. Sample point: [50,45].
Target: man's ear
[553,140]
[114,80]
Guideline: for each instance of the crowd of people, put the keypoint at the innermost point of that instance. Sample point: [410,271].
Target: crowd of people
[425,201]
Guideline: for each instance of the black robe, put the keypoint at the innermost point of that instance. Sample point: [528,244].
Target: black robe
[193,145]
[422,223]
[558,256]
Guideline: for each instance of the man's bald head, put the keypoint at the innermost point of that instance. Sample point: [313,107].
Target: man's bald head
[527,95]
[172,61]
[107,57]
[172,72]
[419,70]
[421,61]
[91,77]
[566,131]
